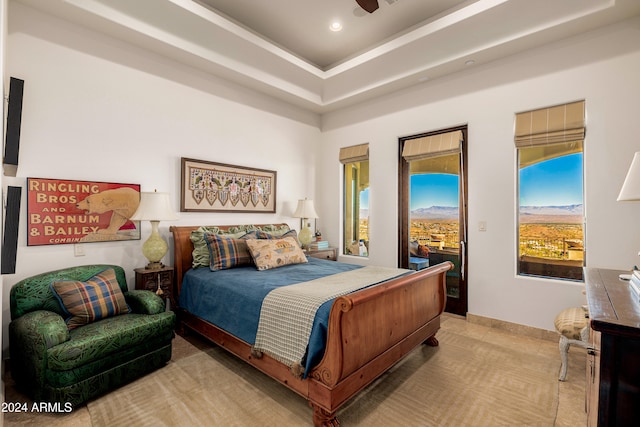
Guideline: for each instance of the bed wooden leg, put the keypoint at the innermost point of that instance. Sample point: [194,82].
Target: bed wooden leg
[432,341]
[323,418]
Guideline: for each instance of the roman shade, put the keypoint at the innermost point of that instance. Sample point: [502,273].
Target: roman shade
[354,153]
[537,153]
[552,125]
[442,144]
[356,157]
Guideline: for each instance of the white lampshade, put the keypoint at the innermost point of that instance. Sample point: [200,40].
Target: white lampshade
[305,209]
[631,187]
[154,207]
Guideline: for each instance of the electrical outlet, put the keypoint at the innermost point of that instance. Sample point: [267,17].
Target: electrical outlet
[78,250]
[482,226]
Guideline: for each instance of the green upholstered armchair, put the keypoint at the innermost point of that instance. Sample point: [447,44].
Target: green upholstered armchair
[51,363]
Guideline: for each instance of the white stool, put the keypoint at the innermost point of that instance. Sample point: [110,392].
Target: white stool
[573,326]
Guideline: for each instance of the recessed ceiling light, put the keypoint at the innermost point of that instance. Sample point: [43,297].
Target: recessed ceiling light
[470,62]
[335,26]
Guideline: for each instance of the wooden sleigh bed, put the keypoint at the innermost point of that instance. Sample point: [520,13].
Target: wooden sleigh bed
[368,332]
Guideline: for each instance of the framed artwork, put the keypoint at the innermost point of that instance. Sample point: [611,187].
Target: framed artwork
[217,187]
[63,211]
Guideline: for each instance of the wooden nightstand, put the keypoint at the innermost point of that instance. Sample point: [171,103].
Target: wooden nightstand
[326,253]
[148,280]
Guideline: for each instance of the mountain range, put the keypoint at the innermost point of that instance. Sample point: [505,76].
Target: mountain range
[569,213]
[435,212]
[551,214]
[552,210]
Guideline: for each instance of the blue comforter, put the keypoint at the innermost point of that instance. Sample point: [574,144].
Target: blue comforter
[232,299]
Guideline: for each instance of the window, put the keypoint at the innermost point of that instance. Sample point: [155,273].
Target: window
[550,145]
[432,216]
[356,199]
[434,202]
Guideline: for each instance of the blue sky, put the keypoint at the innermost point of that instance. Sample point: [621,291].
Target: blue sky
[552,182]
[364,199]
[434,189]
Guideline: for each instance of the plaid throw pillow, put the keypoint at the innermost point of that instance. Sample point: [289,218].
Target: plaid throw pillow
[201,249]
[227,252]
[85,302]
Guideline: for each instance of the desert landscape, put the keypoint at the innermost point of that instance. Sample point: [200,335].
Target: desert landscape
[545,231]
[445,230]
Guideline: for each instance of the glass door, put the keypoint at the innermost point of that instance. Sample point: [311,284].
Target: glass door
[433,208]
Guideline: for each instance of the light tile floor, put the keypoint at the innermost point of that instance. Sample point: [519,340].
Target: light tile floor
[571,405]
[570,413]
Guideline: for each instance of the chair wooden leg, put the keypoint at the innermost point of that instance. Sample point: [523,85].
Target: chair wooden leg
[564,350]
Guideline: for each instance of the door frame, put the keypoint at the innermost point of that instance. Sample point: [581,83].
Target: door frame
[454,305]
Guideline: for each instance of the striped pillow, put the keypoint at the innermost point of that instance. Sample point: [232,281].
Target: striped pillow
[97,298]
[227,252]
[200,253]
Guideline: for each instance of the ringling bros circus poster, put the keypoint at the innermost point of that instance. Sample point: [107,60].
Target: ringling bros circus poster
[63,211]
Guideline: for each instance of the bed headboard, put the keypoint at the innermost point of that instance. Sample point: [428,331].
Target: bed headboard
[183,249]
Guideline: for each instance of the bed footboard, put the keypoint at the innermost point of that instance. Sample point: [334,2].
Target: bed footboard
[371,330]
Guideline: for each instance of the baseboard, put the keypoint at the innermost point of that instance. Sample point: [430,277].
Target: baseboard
[515,328]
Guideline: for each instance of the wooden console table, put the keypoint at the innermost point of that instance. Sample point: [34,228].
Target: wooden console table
[613,361]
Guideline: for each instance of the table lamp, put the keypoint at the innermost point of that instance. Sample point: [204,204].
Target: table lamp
[305,211]
[631,191]
[631,187]
[154,207]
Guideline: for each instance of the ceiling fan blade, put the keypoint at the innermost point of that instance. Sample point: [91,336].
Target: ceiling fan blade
[368,5]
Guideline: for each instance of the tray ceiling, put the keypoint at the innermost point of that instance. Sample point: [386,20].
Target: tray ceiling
[284,48]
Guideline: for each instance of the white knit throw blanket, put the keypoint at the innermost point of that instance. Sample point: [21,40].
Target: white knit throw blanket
[287,313]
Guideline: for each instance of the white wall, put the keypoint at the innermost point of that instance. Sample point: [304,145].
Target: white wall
[100,110]
[600,67]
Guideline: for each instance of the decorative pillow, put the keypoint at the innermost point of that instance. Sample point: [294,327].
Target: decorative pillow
[418,250]
[277,235]
[200,254]
[85,302]
[200,248]
[273,253]
[227,252]
[273,232]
